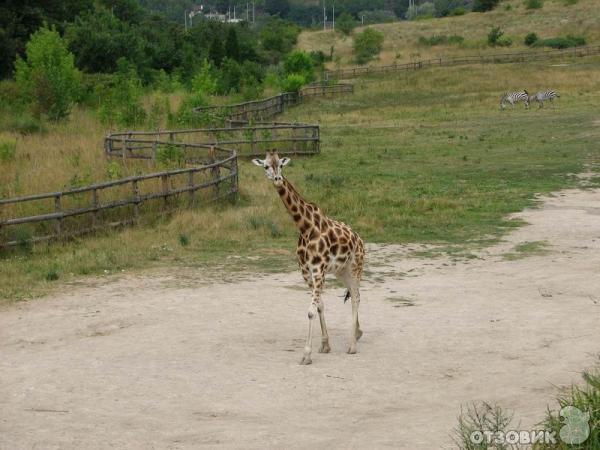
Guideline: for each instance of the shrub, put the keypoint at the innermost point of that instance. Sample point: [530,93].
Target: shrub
[8,149]
[377,16]
[122,102]
[26,124]
[293,83]
[203,84]
[345,23]
[47,77]
[496,38]
[301,63]
[170,156]
[563,42]
[367,45]
[438,39]
[458,12]
[531,39]
[484,5]
[533,4]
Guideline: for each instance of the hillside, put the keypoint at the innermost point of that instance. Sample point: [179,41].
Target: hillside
[401,44]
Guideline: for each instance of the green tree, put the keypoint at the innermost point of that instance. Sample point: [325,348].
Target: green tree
[216,52]
[47,77]
[232,46]
[484,5]
[299,62]
[367,45]
[345,23]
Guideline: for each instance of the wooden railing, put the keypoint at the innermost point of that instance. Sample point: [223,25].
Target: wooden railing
[260,110]
[120,202]
[516,57]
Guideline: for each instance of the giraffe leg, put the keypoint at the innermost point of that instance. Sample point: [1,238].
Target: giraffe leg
[355,331]
[317,279]
[325,348]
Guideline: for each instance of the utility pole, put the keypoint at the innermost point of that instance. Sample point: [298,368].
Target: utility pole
[247,16]
[252,11]
[324,17]
[185,20]
[333,14]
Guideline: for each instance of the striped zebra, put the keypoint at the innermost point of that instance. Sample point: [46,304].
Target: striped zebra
[514,97]
[542,96]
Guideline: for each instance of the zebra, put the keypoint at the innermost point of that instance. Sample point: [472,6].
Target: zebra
[514,97]
[542,96]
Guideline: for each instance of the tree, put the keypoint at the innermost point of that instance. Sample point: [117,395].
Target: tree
[484,5]
[277,7]
[216,52]
[47,77]
[232,46]
[301,63]
[367,45]
[345,23]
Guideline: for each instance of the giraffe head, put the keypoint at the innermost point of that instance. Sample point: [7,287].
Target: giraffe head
[273,166]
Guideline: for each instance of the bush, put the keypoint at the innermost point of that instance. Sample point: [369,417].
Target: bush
[484,5]
[8,149]
[439,39]
[47,77]
[377,16]
[345,23]
[496,38]
[445,8]
[293,83]
[533,4]
[531,39]
[367,45]
[122,102]
[563,42]
[301,63]
[458,12]
[26,124]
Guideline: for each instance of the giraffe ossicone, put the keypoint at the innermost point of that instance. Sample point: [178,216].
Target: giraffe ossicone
[324,246]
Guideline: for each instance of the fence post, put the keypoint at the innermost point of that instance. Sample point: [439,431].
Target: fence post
[234,178]
[154,150]
[165,189]
[253,142]
[192,191]
[215,172]
[124,148]
[59,220]
[95,206]
[136,201]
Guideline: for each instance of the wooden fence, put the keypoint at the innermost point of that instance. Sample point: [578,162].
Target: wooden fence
[120,202]
[517,57]
[248,140]
[214,175]
[259,110]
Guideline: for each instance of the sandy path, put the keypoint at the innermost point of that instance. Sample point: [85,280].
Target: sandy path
[167,362]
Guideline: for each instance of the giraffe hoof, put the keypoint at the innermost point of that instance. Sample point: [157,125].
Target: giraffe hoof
[325,348]
[305,361]
[359,334]
[351,350]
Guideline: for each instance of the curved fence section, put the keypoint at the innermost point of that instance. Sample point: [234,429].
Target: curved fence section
[515,57]
[207,171]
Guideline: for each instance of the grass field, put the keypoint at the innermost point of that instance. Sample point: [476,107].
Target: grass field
[416,157]
[401,44]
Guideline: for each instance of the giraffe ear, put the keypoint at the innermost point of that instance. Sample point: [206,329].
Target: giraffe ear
[284,161]
[259,162]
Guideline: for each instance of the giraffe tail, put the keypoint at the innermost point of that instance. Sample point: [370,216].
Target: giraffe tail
[347,295]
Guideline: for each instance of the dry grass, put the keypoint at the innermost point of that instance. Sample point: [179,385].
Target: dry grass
[401,43]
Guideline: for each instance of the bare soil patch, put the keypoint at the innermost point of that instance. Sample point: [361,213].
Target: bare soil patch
[148,362]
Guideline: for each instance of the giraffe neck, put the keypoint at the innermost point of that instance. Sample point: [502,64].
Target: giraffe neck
[300,210]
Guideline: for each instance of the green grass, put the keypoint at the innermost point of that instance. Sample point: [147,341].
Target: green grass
[525,249]
[418,157]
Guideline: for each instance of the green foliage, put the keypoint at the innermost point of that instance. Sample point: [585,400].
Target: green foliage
[170,156]
[345,23]
[587,399]
[531,39]
[421,12]
[484,418]
[122,102]
[204,84]
[232,47]
[184,240]
[367,45]
[376,16]
[458,12]
[445,8]
[484,5]
[114,170]
[496,38]
[562,42]
[439,39]
[533,4]
[47,78]
[26,124]
[278,38]
[216,52]
[299,62]
[52,275]
[293,82]
[8,150]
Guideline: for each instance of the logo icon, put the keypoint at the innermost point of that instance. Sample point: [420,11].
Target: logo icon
[576,428]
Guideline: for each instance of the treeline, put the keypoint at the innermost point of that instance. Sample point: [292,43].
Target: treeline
[100,32]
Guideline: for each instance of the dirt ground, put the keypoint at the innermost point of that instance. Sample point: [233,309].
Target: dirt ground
[166,360]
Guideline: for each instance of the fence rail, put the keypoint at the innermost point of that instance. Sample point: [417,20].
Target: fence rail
[515,57]
[214,175]
[259,110]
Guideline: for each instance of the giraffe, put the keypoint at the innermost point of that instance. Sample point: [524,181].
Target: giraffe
[324,246]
